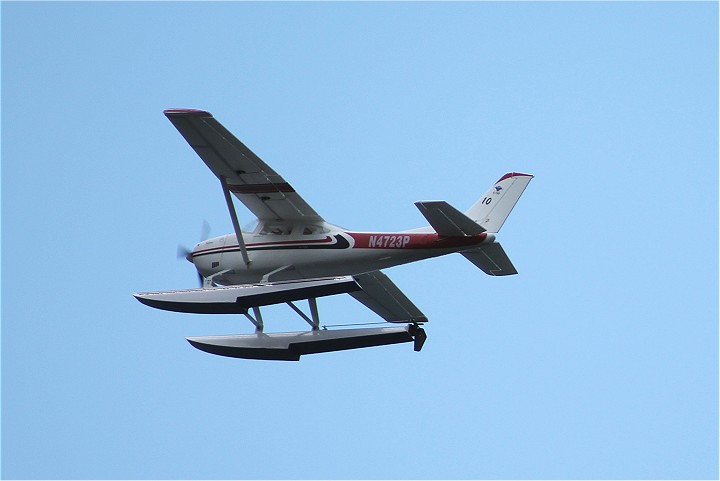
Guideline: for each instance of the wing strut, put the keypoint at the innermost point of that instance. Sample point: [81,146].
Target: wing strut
[233,216]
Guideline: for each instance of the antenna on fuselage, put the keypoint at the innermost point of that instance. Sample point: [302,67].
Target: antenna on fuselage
[233,217]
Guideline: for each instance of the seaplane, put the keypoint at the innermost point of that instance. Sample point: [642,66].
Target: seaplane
[293,254]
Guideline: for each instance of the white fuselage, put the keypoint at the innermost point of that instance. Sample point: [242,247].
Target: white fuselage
[283,251]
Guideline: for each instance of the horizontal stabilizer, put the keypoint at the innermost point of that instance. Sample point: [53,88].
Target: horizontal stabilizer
[447,220]
[238,299]
[491,259]
[289,346]
[382,296]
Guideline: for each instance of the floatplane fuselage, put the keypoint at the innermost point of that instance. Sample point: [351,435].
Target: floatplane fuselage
[294,254]
[281,252]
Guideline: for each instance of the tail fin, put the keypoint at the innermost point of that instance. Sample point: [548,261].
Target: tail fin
[494,207]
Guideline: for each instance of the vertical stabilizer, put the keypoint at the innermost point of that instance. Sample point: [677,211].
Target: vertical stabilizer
[494,207]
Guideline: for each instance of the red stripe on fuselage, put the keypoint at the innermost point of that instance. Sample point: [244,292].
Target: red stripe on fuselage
[401,240]
[369,240]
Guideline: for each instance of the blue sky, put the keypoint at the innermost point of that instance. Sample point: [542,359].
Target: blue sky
[599,360]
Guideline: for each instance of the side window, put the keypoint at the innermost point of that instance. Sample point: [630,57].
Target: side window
[251,227]
[313,230]
[275,229]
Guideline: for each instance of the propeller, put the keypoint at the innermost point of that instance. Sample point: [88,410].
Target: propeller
[185,253]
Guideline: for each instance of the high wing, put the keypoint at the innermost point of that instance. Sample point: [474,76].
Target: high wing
[263,191]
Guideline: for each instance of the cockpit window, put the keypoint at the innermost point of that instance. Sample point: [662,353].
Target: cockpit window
[313,229]
[275,229]
[251,226]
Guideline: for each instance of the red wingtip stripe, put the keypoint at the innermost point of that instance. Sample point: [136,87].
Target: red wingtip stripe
[513,174]
[194,112]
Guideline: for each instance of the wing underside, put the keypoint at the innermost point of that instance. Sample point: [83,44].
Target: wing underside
[262,190]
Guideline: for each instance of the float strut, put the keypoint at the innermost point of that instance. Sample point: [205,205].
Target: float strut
[315,321]
[257,319]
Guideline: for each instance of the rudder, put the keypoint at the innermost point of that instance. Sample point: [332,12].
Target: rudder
[494,207]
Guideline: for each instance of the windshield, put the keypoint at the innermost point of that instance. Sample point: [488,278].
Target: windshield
[250,226]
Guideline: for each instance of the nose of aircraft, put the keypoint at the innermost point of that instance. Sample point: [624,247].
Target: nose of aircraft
[197,248]
[184,252]
[203,261]
[190,259]
[188,253]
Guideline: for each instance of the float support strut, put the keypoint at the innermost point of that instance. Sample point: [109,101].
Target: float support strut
[315,321]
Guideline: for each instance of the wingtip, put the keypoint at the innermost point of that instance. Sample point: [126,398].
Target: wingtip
[186,112]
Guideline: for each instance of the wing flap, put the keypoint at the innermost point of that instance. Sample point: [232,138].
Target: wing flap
[383,297]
